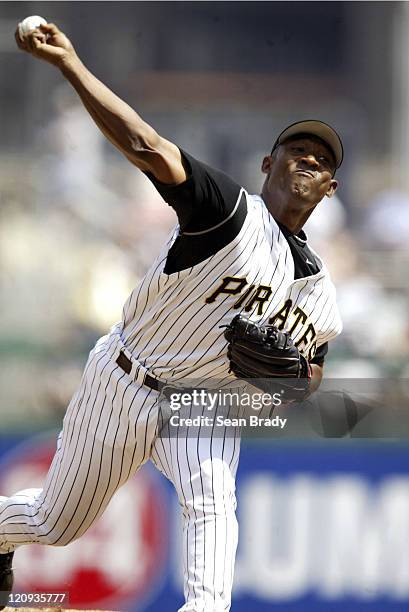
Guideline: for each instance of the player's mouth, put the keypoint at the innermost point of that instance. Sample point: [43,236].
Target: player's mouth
[305,173]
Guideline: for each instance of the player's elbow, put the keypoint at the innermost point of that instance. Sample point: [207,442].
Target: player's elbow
[143,141]
[144,150]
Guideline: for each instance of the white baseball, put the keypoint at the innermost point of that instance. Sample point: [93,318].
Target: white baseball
[30,23]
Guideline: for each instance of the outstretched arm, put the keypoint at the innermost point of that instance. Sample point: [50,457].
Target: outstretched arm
[137,140]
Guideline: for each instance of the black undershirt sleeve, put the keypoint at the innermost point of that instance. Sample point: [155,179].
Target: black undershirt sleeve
[319,356]
[211,209]
[207,196]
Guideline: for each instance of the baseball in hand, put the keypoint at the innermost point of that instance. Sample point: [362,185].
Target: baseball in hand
[30,23]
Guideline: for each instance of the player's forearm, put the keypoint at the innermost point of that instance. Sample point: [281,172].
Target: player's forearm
[116,119]
[137,140]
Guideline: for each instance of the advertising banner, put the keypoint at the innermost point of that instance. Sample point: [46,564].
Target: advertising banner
[323,526]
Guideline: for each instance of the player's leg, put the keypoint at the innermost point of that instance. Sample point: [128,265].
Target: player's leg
[203,468]
[106,436]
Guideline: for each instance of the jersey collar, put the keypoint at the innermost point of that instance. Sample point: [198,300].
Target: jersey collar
[301,237]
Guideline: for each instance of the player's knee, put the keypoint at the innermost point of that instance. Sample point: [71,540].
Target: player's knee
[55,539]
[62,532]
[212,490]
[216,478]
[201,507]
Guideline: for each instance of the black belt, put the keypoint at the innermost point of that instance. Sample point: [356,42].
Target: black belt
[153,383]
[126,364]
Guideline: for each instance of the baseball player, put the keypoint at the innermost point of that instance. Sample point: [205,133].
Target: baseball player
[230,254]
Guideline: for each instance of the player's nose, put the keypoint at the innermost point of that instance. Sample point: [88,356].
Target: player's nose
[310,160]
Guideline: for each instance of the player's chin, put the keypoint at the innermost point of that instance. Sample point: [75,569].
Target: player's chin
[302,190]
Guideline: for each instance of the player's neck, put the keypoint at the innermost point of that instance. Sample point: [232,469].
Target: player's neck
[289,213]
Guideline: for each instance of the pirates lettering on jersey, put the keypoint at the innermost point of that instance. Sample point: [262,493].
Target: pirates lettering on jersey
[294,321]
[296,324]
[305,343]
[280,318]
[253,295]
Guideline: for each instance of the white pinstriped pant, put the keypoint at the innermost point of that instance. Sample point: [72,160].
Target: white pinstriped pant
[110,429]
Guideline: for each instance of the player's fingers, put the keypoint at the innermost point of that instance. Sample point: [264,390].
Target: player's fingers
[32,41]
[20,40]
[40,36]
[38,40]
[50,28]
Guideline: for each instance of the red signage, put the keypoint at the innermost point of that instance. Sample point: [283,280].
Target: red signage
[119,560]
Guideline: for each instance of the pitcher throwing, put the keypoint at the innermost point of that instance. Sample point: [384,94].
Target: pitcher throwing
[230,254]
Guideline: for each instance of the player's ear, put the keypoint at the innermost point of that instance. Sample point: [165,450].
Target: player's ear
[332,188]
[266,164]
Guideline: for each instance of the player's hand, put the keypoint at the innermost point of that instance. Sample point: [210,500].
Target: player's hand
[48,43]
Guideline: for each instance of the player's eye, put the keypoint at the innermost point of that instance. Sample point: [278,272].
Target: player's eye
[299,149]
[325,161]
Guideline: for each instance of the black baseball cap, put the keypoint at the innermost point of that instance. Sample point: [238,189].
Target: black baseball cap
[317,128]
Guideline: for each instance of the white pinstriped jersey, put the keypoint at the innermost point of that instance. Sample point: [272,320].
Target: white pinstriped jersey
[227,255]
[171,322]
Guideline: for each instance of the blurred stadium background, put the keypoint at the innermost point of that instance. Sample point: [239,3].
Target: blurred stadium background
[325,525]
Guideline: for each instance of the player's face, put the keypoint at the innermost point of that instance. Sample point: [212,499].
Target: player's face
[302,167]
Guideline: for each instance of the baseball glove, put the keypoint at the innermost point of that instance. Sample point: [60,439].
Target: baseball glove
[265,354]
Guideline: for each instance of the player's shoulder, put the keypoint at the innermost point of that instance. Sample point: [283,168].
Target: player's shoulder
[256,205]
